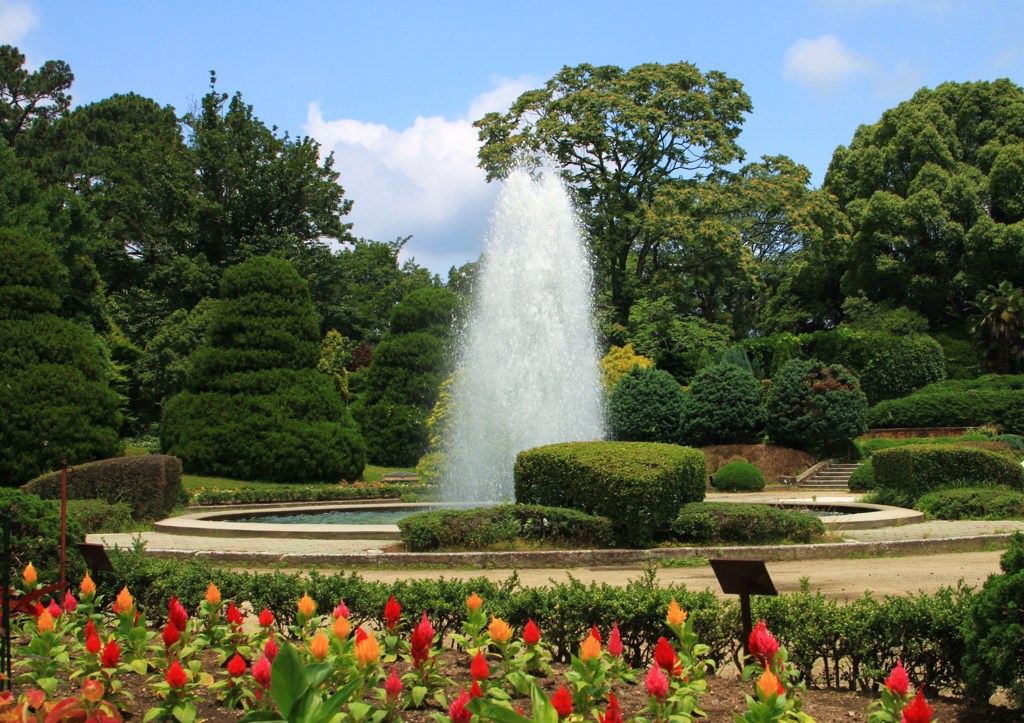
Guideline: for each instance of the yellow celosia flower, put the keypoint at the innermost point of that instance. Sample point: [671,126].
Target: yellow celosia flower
[87,586]
[676,615]
[124,602]
[367,651]
[341,628]
[29,575]
[44,622]
[473,602]
[213,595]
[768,684]
[590,649]
[499,630]
[318,646]
[306,606]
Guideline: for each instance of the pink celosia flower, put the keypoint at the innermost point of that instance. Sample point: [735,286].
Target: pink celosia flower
[457,710]
[261,671]
[656,682]
[763,644]
[898,681]
[393,685]
[615,642]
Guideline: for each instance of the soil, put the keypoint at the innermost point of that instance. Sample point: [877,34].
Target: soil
[724,697]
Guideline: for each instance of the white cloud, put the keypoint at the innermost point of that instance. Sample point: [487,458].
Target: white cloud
[824,64]
[422,180]
[16,20]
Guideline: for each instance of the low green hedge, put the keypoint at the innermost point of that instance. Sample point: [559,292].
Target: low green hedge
[738,476]
[955,408]
[35,535]
[728,523]
[905,474]
[869,445]
[407,491]
[973,503]
[149,484]
[639,486]
[863,478]
[100,516]
[481,528]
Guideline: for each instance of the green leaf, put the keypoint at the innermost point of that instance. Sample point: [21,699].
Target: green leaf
[359,710]
[418,693]
[287,679]
[184,713]
[139,665]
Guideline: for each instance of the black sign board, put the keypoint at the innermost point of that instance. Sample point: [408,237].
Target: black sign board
[744,578]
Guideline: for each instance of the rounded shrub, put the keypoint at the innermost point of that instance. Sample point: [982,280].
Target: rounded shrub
[639,486]
[56,402]
[738,476]
[646,406]
[728,523]
[815,407]
[863,478]
[723,406]
[973,503]
[905,474]
[255,406]
[35,536]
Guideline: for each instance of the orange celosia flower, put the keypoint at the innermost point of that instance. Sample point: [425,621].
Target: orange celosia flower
[306,606]
[44,622]
[499,630]
[676,615]
[29,575]
[341,628]
[87,587]
[769,685]
[124,602]
[473,602]
[367,651]
[213,595]
[318,646]
[590,649]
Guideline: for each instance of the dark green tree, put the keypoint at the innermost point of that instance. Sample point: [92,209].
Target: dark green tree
[999,328]
[28,98]
[255,406]
[815,407]
[402,383]
[618,136]
[645,406]
[724,405]
[55,401]
[932,193]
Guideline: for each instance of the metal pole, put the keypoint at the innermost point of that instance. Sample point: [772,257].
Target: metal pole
[63,518]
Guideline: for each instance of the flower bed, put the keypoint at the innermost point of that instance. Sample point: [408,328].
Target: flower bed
[80,659]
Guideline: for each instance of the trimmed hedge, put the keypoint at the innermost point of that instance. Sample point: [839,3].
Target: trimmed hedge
[738,476]
[1003,409]
[905,474]
[973,503]
[640,486]
[98,516]
[149,484]
[35,536]
[314,493]
[481,528]
[869,446]
[863,478]
[706,523]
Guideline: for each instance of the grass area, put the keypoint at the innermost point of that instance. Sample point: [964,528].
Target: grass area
[195,482]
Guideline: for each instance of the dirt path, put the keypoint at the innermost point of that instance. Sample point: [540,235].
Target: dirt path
[842,579]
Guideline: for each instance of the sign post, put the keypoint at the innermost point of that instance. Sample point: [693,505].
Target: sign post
[744,578]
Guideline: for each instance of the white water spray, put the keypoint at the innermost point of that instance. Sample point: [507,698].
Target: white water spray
[528,372]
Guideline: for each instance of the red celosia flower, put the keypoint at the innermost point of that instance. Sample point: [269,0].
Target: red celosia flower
[613,713]
[595,633]
[111,654]
[54,609]
[360,635]
[92,638]
[176,613]
[422,640]
[918,711]
[457,710]
[237,666]
[531,633]
[479,668]
[615,641]
[270,649]
[474,691]
[171,634]
[234,615]
[665,657]
[266,618]
[70,604]
[392,613]
[341,611]
[562,702]
[656,682]
[176,677]
[261,671]
[898,682]
[393,685]
[763,644]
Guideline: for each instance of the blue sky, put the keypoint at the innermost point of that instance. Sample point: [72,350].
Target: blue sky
[392,87]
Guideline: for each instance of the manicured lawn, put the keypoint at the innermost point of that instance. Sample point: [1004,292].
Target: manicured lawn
[194,482]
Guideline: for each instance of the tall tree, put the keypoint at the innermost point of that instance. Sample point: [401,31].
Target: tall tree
[932,191]
[619,135]
[30,97]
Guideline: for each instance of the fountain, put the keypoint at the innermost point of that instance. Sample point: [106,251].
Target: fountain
[528,371]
